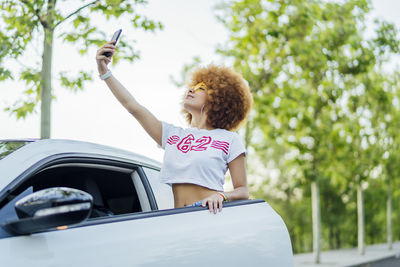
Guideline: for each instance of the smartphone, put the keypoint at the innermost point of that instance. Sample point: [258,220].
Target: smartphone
[114,38]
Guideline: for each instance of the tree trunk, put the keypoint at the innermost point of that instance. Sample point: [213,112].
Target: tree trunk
[360,217]
[316,217]
[331,237]
[389,215]
[338,243]
[45,75]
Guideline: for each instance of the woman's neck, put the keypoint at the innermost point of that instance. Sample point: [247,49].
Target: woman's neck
[201,126]
[200,122]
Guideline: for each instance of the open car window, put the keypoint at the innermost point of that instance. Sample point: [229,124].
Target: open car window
[113,189]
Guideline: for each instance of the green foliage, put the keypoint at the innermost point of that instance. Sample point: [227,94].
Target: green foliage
[26,106]
[22,108]
[5,74]
[25,21]
[323,107]
[75,84]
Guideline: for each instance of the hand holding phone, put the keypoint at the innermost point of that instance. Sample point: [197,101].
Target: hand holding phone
[115,38]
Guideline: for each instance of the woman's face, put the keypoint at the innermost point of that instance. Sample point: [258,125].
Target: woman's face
[195,98]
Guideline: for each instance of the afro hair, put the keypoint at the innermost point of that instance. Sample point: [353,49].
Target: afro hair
[229,99]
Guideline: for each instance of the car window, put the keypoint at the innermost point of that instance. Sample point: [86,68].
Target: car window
[112,188]
[162,192]
[7,147]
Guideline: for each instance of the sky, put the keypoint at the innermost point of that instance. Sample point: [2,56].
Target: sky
[94,115]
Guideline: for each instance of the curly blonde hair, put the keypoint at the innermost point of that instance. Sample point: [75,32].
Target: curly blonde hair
[229,99]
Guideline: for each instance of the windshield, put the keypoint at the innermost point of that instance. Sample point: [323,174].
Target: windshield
[7,147]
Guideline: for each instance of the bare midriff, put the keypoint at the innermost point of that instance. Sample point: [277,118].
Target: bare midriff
[187,194]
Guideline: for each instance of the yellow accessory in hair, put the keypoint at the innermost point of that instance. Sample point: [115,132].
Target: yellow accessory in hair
[199,86]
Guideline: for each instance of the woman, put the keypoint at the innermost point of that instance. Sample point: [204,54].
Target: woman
[196,159]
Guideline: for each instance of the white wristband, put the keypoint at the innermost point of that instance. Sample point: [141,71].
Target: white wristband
[106,75]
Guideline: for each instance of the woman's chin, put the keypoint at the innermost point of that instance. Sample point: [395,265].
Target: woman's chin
[188,107]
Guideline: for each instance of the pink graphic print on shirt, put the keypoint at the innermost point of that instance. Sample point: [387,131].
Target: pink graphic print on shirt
[224,146]
[201,144]
[173,140]
[186,143]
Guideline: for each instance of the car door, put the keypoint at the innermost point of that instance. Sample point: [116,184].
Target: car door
[248,234]
[245,232]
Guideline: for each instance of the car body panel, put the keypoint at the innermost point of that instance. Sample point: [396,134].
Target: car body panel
[249,234]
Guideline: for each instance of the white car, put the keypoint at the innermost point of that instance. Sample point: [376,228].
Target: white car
[72,203]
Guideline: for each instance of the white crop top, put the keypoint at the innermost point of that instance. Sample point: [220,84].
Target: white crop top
[198,156]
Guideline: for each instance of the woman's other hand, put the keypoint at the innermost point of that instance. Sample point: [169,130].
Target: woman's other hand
[102,60]
[214,202]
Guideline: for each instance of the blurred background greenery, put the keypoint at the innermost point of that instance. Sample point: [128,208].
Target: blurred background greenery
[326,116]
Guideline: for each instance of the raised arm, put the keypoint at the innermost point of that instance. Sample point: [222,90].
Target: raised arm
[148,121]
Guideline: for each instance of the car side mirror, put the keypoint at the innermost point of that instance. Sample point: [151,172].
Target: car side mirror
[50,208]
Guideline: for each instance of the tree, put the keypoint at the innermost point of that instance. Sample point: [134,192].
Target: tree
[387,125]
[301,59]
[26,20]
[387,116]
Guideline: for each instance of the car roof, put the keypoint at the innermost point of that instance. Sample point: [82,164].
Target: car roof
[38,149]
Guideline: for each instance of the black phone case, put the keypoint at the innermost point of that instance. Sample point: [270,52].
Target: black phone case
[115,37]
